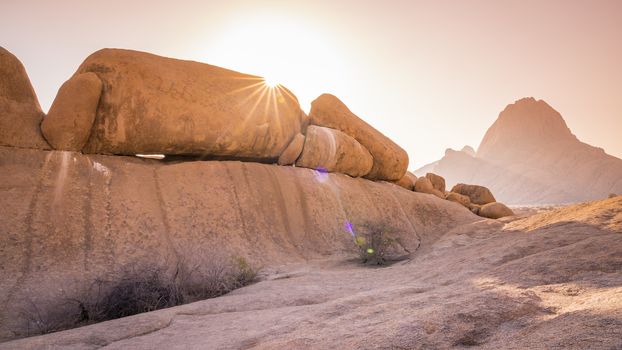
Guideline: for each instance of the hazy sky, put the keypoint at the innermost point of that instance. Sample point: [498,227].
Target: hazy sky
[429,74]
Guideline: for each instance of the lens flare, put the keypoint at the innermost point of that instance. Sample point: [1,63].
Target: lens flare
[321,175]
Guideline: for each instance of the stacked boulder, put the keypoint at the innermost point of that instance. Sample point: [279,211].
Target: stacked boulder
[476,198]
[389,161]
[481,201]
[127,102]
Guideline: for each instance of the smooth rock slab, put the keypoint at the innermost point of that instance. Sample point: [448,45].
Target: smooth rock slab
[71,218]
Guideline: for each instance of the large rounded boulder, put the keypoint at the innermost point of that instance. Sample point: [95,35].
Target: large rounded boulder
[154,104]
[333,151]
[477,194]
[390,160]
[495,210]
[68,123]
[20,113]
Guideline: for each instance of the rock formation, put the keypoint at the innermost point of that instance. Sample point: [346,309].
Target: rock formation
[334,151]
[70,218]
[20,113]
[153,104]
[529,156]
[390,160]
[127,102]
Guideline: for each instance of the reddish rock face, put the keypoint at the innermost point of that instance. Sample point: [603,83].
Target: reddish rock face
[20,113]
[390,160]
[153,104]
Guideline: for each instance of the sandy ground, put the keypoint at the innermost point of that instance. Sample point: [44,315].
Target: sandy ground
[548,281]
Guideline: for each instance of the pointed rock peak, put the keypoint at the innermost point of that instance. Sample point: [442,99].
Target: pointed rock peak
[525,124]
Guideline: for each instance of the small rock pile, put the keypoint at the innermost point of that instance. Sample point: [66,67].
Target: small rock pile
[476,198]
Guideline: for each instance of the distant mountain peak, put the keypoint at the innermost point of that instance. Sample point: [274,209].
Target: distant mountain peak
[524,125]
[529,156]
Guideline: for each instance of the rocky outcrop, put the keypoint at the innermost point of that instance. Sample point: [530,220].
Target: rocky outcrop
[70,218]
[334,151]
[438,182]
[495,210]
[477,194]
[70,119]
[529,156]
[20,113]
[151,104]
[390,160]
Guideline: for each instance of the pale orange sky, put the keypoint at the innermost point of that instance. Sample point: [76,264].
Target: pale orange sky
[429,74]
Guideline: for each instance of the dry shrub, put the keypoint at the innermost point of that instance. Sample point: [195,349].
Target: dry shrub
[143,289]
[374,243]
[201,280]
